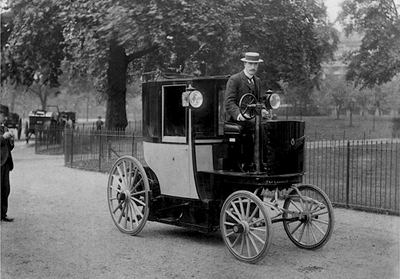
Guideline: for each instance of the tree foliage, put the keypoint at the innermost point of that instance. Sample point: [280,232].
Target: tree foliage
[378,59]
[33,50]
[113,42]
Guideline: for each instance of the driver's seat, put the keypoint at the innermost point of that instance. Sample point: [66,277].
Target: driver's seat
[232,129]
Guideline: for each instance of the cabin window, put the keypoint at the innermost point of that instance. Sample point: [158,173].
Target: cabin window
[206,118]
[174,114]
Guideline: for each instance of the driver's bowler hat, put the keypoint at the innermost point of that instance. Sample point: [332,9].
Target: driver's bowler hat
[253,57]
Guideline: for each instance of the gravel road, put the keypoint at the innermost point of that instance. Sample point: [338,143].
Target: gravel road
[63,230]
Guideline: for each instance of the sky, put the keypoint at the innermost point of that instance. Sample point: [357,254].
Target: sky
[333,8]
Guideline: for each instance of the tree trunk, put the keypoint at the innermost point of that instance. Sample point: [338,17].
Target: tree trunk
[337,112]
[351,117]
[116,91]
[116,77]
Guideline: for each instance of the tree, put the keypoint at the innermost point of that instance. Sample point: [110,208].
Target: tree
[117,34]
[113,42]
[33,50]
[378,59]
[295,38]
[195,33]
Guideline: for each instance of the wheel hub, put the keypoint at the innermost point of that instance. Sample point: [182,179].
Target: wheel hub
[124,196]
[241,227]
[306,218]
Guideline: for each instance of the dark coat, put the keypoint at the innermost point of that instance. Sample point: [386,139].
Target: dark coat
[6,145]
[236,87]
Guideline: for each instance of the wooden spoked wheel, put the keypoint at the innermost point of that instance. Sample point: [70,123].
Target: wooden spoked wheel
[245,226]
[312,221]
[128,195]
[245,108]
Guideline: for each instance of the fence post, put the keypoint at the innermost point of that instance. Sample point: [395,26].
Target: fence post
[133,144]
[100,148]
[348,175]
[72,147]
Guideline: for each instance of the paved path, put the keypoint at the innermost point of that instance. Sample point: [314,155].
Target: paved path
[63,230]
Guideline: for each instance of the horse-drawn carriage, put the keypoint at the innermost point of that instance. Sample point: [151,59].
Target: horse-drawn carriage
[192,174]
[42,119]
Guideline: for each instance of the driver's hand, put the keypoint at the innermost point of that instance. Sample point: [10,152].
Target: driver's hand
[264,113]
[241,117]
[8,135]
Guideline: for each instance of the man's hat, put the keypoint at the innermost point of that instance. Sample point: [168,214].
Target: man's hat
[4,109]
[252,57]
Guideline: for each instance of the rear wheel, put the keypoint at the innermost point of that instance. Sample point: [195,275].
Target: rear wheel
[245,226]
[128,195]
[312,220]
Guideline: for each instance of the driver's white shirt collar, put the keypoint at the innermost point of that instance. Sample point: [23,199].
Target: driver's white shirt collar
[247,74]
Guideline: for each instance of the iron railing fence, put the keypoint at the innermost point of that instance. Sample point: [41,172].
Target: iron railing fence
[49,141]
[132,126]
[98,150]
[358,174]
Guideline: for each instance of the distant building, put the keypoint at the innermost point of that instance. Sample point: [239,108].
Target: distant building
[346,44]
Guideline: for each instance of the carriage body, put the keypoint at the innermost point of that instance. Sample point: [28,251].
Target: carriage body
[191,175]
[190,153]
[43,119]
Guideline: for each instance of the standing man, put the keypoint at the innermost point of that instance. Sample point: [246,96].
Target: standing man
[7,144]
[99,124]
[238,85]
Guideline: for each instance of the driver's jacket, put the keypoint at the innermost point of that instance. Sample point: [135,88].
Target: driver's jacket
[238,85]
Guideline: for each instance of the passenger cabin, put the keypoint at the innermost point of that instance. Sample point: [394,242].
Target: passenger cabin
[192,149]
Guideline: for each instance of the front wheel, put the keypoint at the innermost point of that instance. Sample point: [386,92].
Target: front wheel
[245,226]
[310,220]
[128,193]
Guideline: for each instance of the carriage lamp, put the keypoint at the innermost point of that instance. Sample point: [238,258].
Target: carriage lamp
[192,97]
[272,100]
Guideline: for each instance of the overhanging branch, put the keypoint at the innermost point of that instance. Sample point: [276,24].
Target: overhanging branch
[141,53]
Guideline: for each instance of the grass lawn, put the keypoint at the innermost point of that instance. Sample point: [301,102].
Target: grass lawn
[330,128]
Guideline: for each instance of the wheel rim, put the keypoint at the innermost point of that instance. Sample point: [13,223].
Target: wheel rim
[245,226]
[313,220]
[128,195]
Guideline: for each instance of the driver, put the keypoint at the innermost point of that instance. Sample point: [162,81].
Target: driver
[238,85]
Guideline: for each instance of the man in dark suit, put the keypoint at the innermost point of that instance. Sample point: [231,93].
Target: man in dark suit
[238,85]
[7,144]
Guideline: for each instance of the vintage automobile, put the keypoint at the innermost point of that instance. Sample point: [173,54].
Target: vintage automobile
[14,121]
[192,175]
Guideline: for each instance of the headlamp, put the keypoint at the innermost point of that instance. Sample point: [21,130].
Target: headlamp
[272,100]
[192,97]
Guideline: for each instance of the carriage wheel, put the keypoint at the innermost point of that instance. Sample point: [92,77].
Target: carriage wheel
[245,110]
[314,225]
[245,226]
[128,195]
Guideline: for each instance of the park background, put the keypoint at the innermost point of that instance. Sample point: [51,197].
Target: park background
[335,67]
[331,67]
